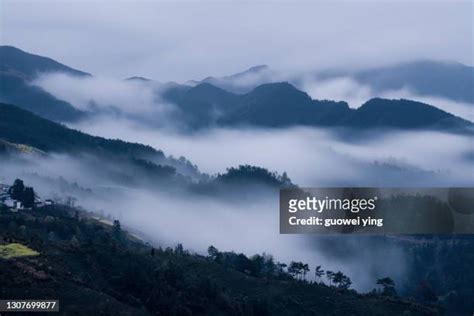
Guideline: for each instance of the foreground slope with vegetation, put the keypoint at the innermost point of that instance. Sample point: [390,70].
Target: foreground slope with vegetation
[90,265]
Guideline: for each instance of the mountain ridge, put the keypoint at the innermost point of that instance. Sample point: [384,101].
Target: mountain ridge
[447,79]
[281,104]
[274,104]
[18,68]
[28,65]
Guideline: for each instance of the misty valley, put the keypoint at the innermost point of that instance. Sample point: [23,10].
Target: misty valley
[142,197]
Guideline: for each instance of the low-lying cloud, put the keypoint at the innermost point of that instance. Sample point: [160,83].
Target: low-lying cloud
[101,93]
[313,157]
[142,99]
[310,156]
[166,219]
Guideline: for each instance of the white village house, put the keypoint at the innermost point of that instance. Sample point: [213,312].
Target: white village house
[6,200]
[15,205]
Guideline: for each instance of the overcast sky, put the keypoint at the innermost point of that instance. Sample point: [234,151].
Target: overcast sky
[190,40]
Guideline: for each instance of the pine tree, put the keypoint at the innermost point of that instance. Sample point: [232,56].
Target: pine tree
[318,273]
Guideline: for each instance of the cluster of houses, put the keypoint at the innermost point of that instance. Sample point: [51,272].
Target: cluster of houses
[14,205]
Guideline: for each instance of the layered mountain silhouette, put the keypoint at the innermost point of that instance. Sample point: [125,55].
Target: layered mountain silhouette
[450,80]
[244,81]
[282,105]
[275,104]
[25,130]
[25,65]
[138,79]
[18,68]
[22,132]
[403,114]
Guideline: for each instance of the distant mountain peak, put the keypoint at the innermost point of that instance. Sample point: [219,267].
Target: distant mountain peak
[208,79]
[397,103]
[282,87]
[253,69]
[12,48]
[206,86]
[280,84]
[402,113]
[258,67]
[244,81]
[15,61]
[18,68]
[138,78]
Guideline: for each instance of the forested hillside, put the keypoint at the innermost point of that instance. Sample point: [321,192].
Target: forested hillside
[92,265]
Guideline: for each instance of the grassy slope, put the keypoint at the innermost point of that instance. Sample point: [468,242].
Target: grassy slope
[15,250]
